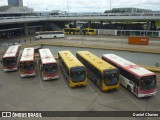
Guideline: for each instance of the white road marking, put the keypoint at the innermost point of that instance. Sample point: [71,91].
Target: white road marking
[101,100]
[65,84]
[40,81]
[133,101]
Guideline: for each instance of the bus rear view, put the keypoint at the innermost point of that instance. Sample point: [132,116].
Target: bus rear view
[10,58]
[27,63]
[48,65]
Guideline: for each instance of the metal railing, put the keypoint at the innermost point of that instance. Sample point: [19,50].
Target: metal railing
[86,15]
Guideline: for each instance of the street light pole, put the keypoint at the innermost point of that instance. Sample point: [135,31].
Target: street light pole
[110,5]
[67,6]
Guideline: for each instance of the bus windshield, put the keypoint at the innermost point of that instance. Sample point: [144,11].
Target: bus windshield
[27,66]
[9,61]
[50,68]
[78,74]
[111,78]
[148,83]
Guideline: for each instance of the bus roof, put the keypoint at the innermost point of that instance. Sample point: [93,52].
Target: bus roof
[88,29]
[27,55]
[46,56]
[12,51]
[47,31]
[97,62]
[129,66]
[71,28]
[69,59]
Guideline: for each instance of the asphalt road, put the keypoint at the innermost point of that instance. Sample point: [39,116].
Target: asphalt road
[34,94]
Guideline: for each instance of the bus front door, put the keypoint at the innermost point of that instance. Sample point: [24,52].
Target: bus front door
[135,89]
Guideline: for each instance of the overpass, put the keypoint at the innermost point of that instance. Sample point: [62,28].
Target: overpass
[27,24]
[89,17]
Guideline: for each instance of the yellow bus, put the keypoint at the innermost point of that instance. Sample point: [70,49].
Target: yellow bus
[72,31]
[101,73]
[89,31]
[73,70]
[78,31]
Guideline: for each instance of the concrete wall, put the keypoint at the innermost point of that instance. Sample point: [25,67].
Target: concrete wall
[136,57]
[52,26]
[106,32]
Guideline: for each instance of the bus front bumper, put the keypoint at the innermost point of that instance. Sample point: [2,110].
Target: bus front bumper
[8,70]
[107,88]
[146,95]
[28,75]
[50,78]
[73,84]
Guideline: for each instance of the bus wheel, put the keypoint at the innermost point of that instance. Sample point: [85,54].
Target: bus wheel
[40,38]
[128,88]
[54,37]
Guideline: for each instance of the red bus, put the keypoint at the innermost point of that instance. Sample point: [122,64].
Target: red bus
[27,63]
[136,79]
[48,65]
[10,58]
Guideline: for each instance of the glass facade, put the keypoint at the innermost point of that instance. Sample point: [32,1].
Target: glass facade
[15,2]
[138,33]
[127,10]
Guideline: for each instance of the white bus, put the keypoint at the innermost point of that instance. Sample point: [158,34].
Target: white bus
[27,63]
[48,65]
[10,58]
[49,34]
[136,79]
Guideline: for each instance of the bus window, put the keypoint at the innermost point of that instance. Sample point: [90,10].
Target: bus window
[110,78]
[9,61]
[27,66]
[84,30]
[78,74]
[60,32]
[50,68]
[148,83]
[91,30]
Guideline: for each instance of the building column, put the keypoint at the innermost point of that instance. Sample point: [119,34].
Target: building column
[46,26]
[101,24]
[89,24]
[153,25]
[147,25]
[75,24]
[25,29]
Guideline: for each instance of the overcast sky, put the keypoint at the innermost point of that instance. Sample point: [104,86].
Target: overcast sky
[87,5]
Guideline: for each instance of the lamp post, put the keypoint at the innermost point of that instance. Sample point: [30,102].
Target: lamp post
[110,5]
[67,6]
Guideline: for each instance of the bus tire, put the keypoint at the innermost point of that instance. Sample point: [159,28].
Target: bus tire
[40,38]
[128,88]
[54,37]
